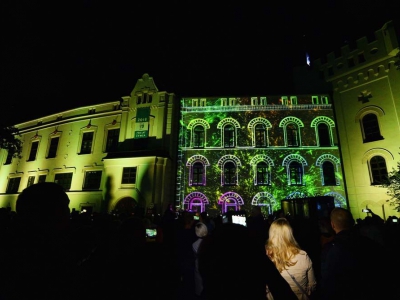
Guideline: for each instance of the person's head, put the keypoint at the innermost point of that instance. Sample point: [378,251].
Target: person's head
[201,229]
[281,234]
[256,211]
[341,219]
[281,245]
[44,204]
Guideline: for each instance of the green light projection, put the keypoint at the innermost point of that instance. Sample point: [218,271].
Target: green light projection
[244,151]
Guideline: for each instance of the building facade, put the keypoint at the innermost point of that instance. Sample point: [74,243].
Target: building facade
[366,98]
[111,156]
[239,152]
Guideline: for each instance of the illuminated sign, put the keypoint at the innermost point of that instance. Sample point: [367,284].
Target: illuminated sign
[142,123]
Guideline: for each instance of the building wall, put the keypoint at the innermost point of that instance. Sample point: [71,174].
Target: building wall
[365,81]
[244,114]
[151,155]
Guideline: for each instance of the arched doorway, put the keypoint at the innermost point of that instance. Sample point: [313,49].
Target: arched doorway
[126,205]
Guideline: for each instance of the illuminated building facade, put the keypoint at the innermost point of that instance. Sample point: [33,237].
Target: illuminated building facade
[238,152]
[110,156]
[366,97]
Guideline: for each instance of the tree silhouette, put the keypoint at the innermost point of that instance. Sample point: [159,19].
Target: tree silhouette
[9,140]
[393,187]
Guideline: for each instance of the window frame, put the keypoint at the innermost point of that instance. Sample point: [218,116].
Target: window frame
[82,144]
[379,174]
[328,173]
[31,180]
[68,180]
[232,178]
[9,158]
[229,136]
[197,178]
[13,185]
[325,133]
[264,173]
[33,151]
[297,170]
[53,149]
[128,178]
[369,136]
[88,184]
[292,135]
[41,176]
[111,142]
[198,136]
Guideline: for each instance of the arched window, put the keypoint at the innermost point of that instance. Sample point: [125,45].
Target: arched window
[370,127]
[323,135]
[260,135]
[230,175]
[379,173]
[263,177]
[296,173]
[198,136]
[328,172]
[229,136]
[292,135]
[197,175]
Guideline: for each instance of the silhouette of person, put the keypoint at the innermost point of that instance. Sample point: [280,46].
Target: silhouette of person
[36,256]
[233,265]
[201,232]
[257,225]
[354,266]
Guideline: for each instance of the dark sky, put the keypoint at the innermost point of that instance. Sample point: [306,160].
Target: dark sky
[58,55]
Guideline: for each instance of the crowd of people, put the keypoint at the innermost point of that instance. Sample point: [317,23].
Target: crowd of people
[50,253]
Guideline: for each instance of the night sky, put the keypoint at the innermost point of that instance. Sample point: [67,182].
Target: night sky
[58,55]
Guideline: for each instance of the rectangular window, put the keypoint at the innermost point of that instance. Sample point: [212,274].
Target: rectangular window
[53,147]
[129,175]
[64,179]
[31,180]
[87,141]
[13,185]
[9,158]
[92,180]
[197,177]
[42,178]
[149,98]
[34,149]
[112,139]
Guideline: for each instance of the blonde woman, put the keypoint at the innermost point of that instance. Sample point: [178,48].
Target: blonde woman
[292,262]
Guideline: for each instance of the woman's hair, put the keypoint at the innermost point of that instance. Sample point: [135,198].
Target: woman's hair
[281,246]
